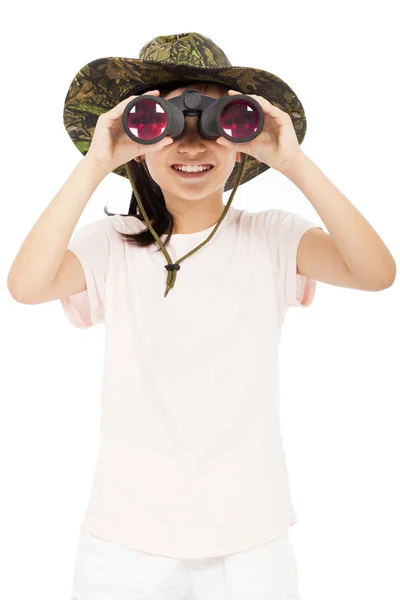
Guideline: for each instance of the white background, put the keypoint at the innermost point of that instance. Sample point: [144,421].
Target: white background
[339,358]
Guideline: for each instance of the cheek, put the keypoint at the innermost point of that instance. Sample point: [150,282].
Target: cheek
[228,163]
[156,169]
[226,156]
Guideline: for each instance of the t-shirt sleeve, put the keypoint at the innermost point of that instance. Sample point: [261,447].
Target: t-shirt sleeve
[284,231]
[91,244]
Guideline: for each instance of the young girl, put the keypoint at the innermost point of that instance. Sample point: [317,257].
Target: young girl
[190,497]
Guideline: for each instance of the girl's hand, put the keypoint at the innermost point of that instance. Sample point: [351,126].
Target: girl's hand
[277,144]
[111,147]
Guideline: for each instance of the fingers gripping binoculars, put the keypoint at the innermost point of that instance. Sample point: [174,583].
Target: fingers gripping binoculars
[148,119]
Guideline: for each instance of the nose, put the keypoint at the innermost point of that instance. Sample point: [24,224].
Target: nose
[191,125]
[191,131]
[191,135]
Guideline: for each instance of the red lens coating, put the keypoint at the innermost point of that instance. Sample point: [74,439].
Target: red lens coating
[239,119]
[147,119]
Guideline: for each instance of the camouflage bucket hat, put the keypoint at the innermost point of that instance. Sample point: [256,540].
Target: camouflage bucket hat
[102,83]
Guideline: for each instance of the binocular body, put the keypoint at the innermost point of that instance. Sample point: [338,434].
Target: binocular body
[148,119]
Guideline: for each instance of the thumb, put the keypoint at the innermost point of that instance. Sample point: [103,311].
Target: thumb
[158,145]
[224,142]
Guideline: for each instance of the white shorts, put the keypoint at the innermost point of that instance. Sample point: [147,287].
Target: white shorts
[107,571]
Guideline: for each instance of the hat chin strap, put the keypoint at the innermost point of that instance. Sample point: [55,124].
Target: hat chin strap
[171,267]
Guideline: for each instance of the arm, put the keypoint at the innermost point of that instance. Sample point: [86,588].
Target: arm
[40,257]
[352,254]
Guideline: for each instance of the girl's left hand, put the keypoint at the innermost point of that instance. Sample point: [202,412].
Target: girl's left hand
[276,144]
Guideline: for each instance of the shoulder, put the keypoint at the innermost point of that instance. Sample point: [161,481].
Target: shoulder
[122,224]
[247,222]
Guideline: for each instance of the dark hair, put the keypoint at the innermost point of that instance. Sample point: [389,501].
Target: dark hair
[149,191]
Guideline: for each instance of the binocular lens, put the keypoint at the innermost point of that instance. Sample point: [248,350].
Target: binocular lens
[147,119]
[239,119]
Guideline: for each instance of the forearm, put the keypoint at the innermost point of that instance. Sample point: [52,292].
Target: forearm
[39,258]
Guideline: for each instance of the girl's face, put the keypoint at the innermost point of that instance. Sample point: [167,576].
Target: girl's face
[191,147]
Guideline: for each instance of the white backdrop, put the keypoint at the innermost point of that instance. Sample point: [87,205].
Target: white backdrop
[339,357]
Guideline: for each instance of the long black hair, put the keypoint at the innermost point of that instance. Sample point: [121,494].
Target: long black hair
[149,191]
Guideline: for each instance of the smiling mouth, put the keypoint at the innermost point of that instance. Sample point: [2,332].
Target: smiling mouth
[192,174]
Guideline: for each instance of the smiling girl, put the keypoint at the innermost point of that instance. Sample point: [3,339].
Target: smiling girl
[190,496]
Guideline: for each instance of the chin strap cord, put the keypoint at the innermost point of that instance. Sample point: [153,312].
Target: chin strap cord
[171,267]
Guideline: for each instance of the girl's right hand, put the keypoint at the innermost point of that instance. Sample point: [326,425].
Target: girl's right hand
[111,146]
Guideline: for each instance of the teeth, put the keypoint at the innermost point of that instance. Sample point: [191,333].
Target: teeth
[192,169]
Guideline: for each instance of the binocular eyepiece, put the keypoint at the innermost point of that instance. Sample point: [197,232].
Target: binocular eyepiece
[148,119]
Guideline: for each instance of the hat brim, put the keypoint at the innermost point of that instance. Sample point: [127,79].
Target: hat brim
[102,83]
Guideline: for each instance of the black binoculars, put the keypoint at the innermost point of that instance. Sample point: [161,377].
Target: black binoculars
[148,119]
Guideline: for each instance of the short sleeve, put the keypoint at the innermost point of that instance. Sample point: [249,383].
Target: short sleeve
[91,244]
[284,231]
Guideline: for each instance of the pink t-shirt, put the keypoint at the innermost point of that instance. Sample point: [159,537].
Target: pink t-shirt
[191,462]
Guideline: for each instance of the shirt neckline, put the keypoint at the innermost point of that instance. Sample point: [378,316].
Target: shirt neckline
[185,236]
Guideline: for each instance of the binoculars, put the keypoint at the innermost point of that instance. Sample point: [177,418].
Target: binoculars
[148,119]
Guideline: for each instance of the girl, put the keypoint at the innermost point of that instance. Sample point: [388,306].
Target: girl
[190,497]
